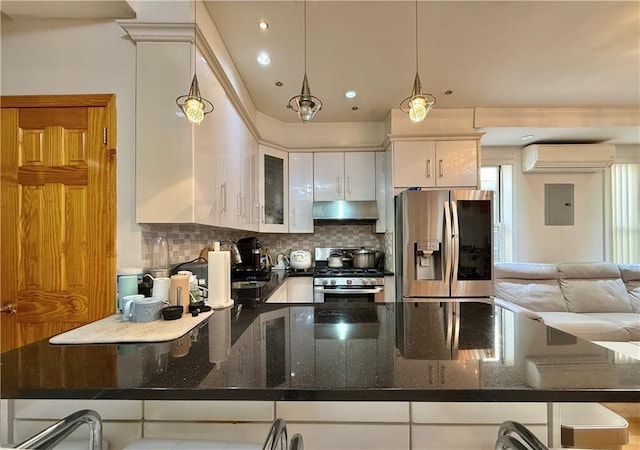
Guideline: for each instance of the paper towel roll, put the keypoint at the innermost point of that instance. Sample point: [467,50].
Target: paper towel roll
[220,336]
[219,281]
[182,282]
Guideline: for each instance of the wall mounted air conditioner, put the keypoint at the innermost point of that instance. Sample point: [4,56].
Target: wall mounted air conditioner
[567,157]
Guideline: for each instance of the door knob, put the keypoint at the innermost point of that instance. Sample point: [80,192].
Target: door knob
[9,308]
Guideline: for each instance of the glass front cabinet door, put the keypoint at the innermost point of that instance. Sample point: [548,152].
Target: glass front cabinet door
[273,205]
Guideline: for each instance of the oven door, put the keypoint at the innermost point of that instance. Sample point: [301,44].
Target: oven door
[368,294]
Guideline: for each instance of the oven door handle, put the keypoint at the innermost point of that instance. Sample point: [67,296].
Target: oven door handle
[322,290]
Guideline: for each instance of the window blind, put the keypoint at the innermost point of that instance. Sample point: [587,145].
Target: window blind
[625,214]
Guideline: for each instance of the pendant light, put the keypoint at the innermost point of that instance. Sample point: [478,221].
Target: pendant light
[305,104]
[193,105]
[418,104]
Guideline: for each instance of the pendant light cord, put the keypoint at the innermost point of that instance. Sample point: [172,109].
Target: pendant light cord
[305,35]
[416,36]
[195,33]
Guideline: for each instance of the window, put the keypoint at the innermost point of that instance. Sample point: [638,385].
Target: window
[625,213]
[498,179]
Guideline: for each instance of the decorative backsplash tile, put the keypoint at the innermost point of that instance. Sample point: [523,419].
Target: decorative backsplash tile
[187,240]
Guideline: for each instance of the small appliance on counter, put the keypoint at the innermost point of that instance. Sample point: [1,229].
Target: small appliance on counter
[251,267]
[300,259]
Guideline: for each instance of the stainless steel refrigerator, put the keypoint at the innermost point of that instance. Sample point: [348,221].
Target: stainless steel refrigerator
[444,245]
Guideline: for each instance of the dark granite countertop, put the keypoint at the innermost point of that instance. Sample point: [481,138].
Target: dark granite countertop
[362,352]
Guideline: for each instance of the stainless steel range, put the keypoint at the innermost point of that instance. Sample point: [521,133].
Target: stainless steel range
[346,283]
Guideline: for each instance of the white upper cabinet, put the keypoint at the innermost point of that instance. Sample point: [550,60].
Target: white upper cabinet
[301,192]
[450,163]
[344,176]
[273,188]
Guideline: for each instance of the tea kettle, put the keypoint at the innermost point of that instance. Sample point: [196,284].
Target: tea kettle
[282,261]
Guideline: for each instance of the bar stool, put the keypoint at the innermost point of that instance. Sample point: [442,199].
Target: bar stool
[56,433]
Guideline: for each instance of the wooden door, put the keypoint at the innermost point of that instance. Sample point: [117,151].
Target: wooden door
[57,220]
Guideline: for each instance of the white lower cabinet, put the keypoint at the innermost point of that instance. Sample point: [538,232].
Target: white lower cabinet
[299,290]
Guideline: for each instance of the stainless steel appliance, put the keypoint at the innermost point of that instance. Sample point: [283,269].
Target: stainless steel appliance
[444,244]
[345,284]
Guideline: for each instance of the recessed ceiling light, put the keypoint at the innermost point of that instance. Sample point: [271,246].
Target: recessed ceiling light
[448,92]
[354,108]
[526,137]
[279,83]
[263,59]
[350,94]
[263,25]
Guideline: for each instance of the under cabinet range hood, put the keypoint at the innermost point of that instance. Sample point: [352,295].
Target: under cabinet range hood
[346,210]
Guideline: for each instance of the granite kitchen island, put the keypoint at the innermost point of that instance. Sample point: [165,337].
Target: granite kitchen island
[291,357]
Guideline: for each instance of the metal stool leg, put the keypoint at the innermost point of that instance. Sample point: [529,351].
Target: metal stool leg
[57,432]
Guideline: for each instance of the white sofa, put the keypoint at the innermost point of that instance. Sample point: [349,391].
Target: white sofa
[595,301]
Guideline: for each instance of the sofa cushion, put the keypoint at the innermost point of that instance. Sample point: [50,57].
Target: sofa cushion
[631,277]
[535,295]
[530,285]
[593,287]
[629,321]
[525,271]
[586,327]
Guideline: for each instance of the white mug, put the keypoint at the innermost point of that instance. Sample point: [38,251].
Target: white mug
[161,288]
[145,309]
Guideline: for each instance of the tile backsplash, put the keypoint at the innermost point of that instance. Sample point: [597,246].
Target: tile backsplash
[186,240]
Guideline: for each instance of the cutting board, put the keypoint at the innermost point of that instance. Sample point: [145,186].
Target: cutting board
[114,330]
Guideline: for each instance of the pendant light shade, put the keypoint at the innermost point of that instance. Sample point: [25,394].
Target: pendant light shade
[419,103]
[193,105]
[305,104]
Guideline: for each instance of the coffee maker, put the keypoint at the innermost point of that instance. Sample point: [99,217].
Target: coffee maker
[251,267]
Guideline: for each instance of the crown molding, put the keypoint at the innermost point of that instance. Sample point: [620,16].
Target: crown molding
[141,31]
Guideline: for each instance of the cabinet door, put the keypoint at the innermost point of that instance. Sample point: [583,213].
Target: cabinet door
[360,176]
[274,191]
[300,192]
[300,290]
[414,164]
[328,176]
[381,192]
[457,164]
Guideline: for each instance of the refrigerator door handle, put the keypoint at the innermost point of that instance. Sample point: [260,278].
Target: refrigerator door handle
[447,243]
[455,242]
[456,330]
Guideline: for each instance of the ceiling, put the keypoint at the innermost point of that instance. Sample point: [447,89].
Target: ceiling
[512,54]
[500,54]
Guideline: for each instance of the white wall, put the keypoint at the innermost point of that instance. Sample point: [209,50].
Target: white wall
[81,57]
[536,242]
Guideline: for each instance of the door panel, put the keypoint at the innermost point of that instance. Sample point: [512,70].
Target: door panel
[58,214]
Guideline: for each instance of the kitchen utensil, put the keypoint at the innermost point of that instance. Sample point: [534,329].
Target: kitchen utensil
[335,261]
[160,266]
[282,261]
[249,249]
[127,285]
[179,290]
[364,258]
[160,288]
[172,312]
[300,259]
[145,309]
